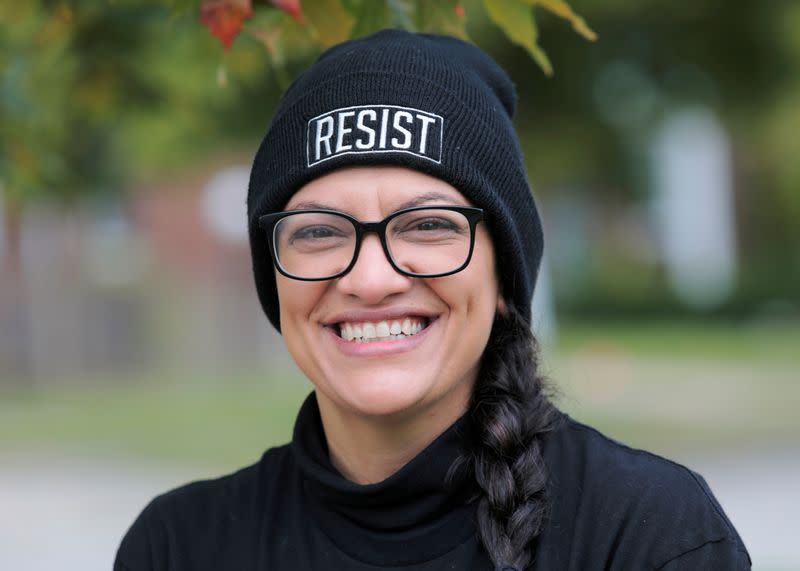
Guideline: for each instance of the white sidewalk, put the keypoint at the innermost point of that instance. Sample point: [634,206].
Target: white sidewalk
[70,512]
[760,492]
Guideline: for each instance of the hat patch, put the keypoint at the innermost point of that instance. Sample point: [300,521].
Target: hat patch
[368,129]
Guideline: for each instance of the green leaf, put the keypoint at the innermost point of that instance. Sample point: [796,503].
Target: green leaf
[329,19]
[182,7]
[440,17]
[515,18]
[370,16]
[563,10]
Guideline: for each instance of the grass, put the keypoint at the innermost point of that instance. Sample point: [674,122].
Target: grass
[735,341]
[205,422]
[665,387]
[672,386]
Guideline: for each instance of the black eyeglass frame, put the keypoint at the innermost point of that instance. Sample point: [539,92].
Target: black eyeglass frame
[268,222]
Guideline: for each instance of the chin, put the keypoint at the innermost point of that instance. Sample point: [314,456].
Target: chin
[381,394]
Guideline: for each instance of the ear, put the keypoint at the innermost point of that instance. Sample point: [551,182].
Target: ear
[502,307]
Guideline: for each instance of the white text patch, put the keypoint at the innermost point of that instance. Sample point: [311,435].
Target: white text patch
[374,129]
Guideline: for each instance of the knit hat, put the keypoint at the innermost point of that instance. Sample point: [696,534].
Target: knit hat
[432,103]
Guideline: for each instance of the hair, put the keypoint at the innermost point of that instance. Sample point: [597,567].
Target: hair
[510,410]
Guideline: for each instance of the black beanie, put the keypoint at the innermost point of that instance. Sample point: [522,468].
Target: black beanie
[432,103]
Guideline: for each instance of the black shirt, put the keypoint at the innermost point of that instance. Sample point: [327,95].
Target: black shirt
[612,507]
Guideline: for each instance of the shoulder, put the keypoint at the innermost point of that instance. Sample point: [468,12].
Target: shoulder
[203,513]
[600,461]
[653,510]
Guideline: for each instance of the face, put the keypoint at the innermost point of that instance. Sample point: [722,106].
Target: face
[432,370]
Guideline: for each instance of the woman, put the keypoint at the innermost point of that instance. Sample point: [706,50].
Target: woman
[395,246]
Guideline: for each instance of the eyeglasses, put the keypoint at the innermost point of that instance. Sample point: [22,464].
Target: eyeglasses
[422,242]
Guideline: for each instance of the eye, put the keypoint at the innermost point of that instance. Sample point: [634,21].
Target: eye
[427,224]
[432,224]
[315,233]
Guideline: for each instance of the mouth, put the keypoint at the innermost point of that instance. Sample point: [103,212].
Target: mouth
[385,330]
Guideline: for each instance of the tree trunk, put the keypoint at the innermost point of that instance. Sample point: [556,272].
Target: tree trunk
[15,361]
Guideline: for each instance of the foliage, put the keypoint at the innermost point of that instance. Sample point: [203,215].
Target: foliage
[79,78]
[68,74]
[224,19]
[331,21]
[517,20]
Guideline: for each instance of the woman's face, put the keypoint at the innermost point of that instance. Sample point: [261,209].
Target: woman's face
[431,371]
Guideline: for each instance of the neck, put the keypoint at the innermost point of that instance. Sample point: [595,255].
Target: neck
[369,449]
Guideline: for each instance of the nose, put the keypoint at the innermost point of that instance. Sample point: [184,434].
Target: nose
[372,278]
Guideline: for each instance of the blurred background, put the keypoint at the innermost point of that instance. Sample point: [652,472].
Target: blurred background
[134,356]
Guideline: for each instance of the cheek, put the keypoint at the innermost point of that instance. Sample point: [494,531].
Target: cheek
[483,280]
[298,302]
[298,299]
[472,294]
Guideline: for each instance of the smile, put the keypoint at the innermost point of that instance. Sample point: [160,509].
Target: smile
[368,331]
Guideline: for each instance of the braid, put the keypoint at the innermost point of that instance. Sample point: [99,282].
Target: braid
[510,410]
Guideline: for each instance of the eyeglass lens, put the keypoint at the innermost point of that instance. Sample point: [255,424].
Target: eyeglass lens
[319,245]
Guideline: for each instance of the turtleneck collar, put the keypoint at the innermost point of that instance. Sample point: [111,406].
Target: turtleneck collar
[412,516]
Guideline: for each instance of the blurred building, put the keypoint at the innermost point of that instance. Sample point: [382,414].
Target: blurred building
[132,286]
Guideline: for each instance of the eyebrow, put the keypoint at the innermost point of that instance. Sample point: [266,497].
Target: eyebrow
[432,196]
[313,205]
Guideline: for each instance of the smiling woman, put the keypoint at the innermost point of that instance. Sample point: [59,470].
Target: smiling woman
[431,370]
[396,245]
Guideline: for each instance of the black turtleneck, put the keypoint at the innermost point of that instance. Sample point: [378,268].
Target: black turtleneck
[611,508]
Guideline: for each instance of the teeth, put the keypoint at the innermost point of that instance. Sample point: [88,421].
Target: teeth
[382,330]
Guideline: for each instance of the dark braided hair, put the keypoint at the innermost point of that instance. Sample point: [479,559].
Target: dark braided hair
[510,410]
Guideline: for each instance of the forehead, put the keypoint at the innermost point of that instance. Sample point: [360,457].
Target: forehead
[375,189]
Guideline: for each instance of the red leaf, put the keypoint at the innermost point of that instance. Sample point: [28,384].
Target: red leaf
[224,18]
[291,7]
[459,10]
